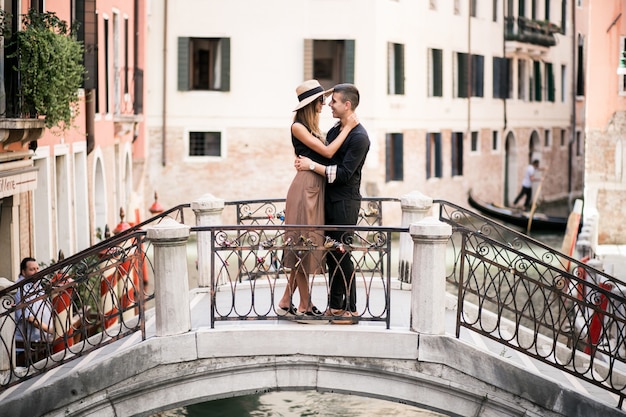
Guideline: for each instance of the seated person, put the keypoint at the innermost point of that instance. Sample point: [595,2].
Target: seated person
[35,328]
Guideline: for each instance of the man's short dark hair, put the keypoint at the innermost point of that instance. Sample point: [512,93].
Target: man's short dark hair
[25,262]
[349,92]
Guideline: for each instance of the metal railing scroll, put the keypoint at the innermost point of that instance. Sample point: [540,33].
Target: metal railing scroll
[533,299]
[77,304]
[249,275]
[272,212]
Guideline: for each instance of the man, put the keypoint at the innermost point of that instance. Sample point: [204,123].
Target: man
[34,318]
[343,198]
[527,185]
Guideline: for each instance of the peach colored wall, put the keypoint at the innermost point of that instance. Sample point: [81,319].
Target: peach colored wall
[602,60]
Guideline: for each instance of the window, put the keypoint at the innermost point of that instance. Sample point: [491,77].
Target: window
[501,77]
[474,142]
[494,16]
[394,154]
[204,64]
[579,143]
[522,79]
[549,82]
[470,70]
[395,71]
[535,82]
[331,62]
[457,7]
[457,153]
[473,8]
[547,139]
[205,144]
[580,74]
[433,155]
[435,85]
[547,12]
[562,137]
[495,140]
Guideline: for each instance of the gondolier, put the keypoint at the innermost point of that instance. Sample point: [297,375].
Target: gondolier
[527,185]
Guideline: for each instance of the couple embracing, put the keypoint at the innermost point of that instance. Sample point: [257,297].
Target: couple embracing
[325,190]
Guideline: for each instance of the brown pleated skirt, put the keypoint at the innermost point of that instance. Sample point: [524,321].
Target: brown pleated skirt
[305,206]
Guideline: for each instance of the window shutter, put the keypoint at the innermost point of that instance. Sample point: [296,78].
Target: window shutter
[497,77]
[550,82]
[389,156]
[308,59]
[428,155]
[537,75]
[183,64]
[437,73]
[438,156]
[462,67]
[225,64]
[399,69]
[398,154]
[478,67]
[349,46]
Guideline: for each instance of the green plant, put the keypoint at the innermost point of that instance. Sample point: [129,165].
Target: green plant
[50,66]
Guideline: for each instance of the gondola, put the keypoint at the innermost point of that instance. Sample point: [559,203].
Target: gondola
[517,217]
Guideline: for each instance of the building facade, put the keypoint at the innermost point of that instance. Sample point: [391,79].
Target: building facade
[455,95]
[63,188]
[605,118]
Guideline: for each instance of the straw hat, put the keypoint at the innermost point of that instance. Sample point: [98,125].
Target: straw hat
[308,92]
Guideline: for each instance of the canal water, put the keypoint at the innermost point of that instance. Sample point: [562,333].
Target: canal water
[299,404]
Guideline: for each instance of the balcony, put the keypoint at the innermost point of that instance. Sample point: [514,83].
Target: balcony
[534,32]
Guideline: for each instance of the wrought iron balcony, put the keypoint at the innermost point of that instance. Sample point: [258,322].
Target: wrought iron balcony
[536,32]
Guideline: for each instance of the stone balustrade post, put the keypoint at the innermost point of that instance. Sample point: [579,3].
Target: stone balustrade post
[208,210]
[415,206]
[7,329]
[428,275]
[171,281]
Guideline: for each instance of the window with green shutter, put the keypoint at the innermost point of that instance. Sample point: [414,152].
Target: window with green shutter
[203,64]
[394,153]
[331,62]
[395,72]
[435,88]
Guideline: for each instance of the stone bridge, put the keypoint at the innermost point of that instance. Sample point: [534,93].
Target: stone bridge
[417,361]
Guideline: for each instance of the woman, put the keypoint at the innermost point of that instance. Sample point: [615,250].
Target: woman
[305,198]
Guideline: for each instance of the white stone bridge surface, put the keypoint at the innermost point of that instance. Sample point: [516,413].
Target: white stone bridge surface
[469,376]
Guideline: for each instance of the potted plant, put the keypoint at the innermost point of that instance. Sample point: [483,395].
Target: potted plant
[49,63]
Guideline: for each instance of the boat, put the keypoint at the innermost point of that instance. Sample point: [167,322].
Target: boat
[518,217]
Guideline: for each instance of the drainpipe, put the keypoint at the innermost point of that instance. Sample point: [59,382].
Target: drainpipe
[164,104]
[504,57]
[573,138]
[3,101]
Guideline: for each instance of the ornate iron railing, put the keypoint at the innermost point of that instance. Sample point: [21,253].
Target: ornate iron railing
[248,264]
[531,298]
[536,32]
[272,212]
[90,299]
